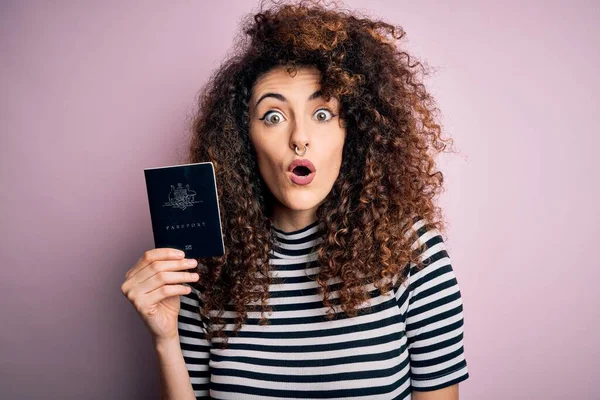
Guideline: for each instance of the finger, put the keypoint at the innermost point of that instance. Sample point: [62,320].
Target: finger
[163,266]
[153,268]
[163,292]
[158,254]
[166,278]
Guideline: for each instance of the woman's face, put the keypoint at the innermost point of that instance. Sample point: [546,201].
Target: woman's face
[287,111]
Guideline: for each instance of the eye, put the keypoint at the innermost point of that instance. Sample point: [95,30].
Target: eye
[277,117]
[321,114]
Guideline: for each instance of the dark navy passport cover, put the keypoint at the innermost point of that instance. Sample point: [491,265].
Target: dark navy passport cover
[184,209]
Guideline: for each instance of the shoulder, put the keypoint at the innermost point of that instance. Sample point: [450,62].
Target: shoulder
[434,277]
[431,250]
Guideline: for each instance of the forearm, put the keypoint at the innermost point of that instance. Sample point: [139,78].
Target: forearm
[174,378]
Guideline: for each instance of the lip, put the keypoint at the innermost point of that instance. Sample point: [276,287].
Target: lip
[302,162]
[302,180]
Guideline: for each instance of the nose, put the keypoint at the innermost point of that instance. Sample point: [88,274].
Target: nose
[299,140]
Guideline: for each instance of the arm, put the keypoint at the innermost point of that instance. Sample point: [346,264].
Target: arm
[447,393]
[174,378]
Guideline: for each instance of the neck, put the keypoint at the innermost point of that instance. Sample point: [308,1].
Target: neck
[289,220]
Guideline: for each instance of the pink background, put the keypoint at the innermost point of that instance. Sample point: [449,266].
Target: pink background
[93,92]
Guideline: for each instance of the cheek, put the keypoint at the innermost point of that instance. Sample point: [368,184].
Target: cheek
[266,171]
[268,163]
[336,151]
[268,158]
[331,164]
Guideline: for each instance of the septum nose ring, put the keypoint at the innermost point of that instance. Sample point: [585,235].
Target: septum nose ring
[303,153]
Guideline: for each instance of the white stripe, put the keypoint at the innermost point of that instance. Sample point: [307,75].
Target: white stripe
[293,273]
[195,354]
[334,385]
[425,237]
[276,287]
[439,294]
[193,341]
[385,330]
[437,353]
[287,260]
[417,276]
[189,300]
[191,328]
[198,367]
[189,314]
[314,312]
[439,338]
[430,313]
[300,246]
[300,235]
[325,370]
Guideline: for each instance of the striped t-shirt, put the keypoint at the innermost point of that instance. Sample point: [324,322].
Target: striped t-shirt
[412,339]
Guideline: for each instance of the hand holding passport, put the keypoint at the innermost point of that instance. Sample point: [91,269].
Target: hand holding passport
[184,209]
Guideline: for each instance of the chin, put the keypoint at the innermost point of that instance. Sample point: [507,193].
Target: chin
[301,201]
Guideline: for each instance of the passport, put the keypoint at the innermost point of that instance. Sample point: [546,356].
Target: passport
[184,209]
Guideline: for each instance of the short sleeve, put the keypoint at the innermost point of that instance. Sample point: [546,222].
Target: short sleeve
[434,316]
[194,345]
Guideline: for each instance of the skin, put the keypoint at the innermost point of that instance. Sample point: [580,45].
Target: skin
[447,393]
[296,120]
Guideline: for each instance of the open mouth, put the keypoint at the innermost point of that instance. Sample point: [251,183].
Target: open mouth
[301,171]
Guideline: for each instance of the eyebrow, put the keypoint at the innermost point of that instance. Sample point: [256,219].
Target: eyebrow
[280,97]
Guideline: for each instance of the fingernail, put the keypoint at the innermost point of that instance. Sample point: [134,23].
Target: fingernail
[190,262]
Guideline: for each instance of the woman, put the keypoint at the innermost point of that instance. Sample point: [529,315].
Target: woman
[336,282]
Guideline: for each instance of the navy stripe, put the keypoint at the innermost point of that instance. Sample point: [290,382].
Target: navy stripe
[310,348]
[335,377]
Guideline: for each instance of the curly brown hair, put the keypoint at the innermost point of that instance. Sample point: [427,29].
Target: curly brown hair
[387,180]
